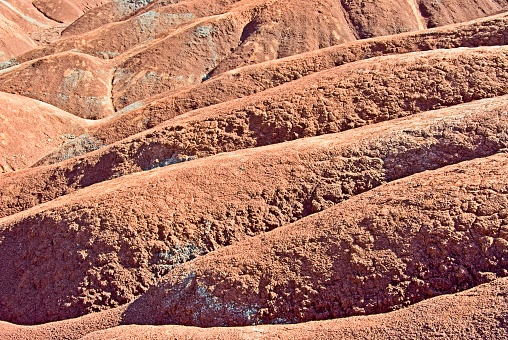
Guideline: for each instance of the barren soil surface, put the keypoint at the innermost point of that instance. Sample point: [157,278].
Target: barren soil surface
[376,252]
[249,80]
[166,216]
[476,313]
[266,169]
[30,129]
[345,97]
[82,83]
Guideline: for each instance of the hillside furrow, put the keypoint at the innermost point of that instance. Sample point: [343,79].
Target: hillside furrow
[257,78]
[240,169]
[476,313]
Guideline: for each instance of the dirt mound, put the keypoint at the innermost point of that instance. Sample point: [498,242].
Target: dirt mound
[430,234]
[25,24]
[278,30]
[115,252]
[65,11]
[109,12]
[14,40]
[200,46]
[475,313]
[253,163]
[79,84]
[205,43]
[257,78]
[331,101]
[150,23]
[30,129]
[438,13]
[18,20]
[67,329]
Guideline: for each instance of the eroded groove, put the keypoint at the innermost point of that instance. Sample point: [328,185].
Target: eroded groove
[254,79]
[45,15]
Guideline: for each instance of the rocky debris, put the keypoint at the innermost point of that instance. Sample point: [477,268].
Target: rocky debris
[73,147]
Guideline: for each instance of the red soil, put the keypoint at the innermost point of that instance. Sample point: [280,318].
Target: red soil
[167,216]
[79,83]
[476,313]
[345,187]
[253,79]
[65,10]
[30,129]
[14,40]
[430,234]
[342,98]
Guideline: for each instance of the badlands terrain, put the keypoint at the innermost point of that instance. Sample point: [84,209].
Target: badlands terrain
[253,169]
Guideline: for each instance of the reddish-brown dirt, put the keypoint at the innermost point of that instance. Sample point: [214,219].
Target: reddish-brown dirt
[25,24]
[443,12]
[429,234]
[18,20]
[79,83]
[209,45]
[253,79]
[65,10]
[14,40]
[477,313]
[30,129]
[336,167]
[111,11]
[167,216]
[339,99]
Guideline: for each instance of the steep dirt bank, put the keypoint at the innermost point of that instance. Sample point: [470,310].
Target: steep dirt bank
[476,313]
[429,234]
[257,78]
[79,84]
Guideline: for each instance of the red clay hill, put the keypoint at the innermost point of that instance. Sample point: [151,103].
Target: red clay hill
[253,169]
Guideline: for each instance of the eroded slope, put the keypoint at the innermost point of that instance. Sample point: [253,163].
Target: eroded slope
[30,129]
[284,227]
[475,313]
[430,234]
[331,101]
[257,78]
[103,254]
[79,84]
